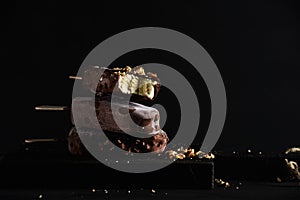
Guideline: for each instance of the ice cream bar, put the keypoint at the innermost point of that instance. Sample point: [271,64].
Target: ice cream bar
[126,80]
[155,143]
[115,117]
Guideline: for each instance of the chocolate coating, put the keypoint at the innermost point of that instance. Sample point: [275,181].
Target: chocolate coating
[155,143]
[132,118]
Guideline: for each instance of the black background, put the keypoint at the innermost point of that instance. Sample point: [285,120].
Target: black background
[255,45]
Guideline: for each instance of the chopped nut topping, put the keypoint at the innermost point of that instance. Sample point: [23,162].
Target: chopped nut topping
[139,70]
[127,68]
[153,75]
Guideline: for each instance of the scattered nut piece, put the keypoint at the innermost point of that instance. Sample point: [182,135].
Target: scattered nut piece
[182,153]
[292,150]
[278,180]
[294,169]
[209,156]
[180,156]
[220,182]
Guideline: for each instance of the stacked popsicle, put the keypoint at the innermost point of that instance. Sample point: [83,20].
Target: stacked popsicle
[129,125]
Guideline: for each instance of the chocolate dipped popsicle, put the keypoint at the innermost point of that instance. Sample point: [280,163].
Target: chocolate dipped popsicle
[134,81]
[132,118]
[155,143]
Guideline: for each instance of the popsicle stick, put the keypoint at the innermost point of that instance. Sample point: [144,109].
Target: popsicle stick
[75,77]
[52,108]
[40,140]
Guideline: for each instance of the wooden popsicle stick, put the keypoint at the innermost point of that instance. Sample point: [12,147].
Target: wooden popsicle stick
[40,140]
[52,108]
[75,77]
